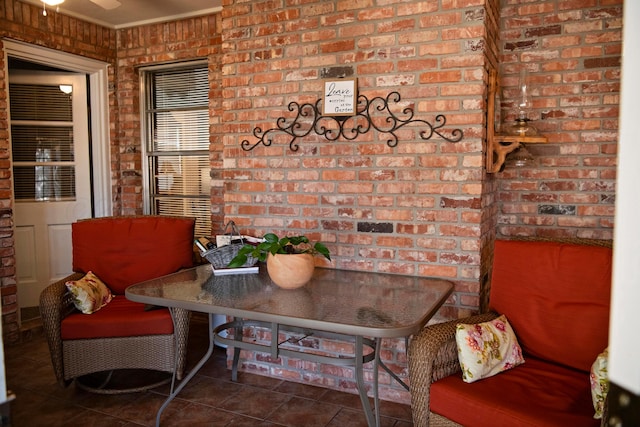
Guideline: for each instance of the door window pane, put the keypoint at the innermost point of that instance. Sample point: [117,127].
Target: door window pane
[40,103]
[37,143]
[44,183]
[42,143]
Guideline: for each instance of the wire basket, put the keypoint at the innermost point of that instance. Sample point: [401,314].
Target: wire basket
[222,256]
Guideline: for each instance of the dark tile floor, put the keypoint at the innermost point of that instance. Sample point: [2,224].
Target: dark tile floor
[210,399]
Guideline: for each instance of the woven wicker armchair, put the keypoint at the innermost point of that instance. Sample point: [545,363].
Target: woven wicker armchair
[433,356]
[116,246]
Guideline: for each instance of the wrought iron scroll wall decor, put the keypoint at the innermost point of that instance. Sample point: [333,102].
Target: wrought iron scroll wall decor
[309,119]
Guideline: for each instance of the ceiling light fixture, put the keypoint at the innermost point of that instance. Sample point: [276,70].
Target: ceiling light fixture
[46,3]
[66,89]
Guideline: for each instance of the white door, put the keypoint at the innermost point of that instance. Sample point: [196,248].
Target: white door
[51,174]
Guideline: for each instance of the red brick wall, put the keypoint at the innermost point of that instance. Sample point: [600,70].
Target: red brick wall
[412,209]
[437,208]
[24,22]
[573,51]
[424,196]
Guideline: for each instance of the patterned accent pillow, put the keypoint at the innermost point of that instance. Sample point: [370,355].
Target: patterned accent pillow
[486,349]
[599,383]
[89,293]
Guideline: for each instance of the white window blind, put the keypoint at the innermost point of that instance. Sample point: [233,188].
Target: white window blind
[42,143]
[176,120]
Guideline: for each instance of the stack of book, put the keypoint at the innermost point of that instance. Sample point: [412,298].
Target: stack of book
[204,244]
[239,270]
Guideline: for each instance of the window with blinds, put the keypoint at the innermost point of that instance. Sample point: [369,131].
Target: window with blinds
[42,143]
[176,123]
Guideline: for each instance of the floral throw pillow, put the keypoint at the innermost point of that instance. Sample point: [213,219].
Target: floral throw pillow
[599,383]
[486,349]
[89,293]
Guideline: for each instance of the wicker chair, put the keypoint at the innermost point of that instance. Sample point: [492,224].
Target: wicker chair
[433,355]
[109,247]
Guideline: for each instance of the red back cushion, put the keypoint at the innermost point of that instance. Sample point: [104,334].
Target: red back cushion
[122,251]
[556,297]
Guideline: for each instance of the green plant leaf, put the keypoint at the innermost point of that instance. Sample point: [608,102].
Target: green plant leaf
[272,244]
[270,238]
[246,249]
[322,249]
[264,246]
[238,261]
[296,240]
[284,242]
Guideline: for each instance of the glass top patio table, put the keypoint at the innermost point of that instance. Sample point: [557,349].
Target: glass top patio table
[341,301]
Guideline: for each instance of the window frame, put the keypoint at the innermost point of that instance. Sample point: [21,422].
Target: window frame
[148,154]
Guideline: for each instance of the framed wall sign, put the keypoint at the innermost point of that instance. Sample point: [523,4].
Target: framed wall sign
[340,97]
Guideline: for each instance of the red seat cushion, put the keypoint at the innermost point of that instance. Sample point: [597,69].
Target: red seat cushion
[535,394]
[122,251]
[119,318]
[556,297]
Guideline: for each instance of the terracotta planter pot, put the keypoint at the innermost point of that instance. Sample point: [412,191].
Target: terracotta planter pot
[290,271]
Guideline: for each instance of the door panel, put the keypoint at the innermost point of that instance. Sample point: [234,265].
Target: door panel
[52,175]
[59,243]
[26,249]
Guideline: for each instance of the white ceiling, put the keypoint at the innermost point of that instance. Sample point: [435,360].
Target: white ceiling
[134,12]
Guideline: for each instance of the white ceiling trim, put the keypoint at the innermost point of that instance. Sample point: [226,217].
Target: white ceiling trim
[172,17]
[150,21]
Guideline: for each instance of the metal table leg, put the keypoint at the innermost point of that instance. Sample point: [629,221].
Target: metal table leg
[372,414]
[237,336]
[376,396]
[185,380]
[358,361]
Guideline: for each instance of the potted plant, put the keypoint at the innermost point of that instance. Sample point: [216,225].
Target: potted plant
[290,260]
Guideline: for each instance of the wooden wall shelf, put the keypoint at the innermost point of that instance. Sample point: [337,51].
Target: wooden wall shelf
[498,145]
